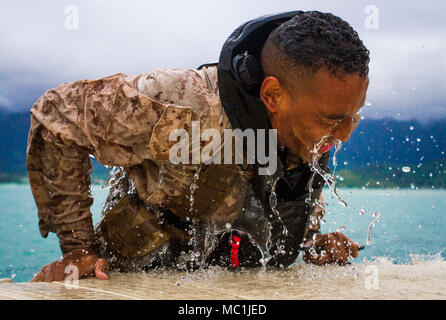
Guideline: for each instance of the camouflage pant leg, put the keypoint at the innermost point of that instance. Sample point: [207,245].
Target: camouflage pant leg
[131,235]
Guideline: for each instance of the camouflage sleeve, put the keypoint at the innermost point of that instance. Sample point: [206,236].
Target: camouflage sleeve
[106,118]
[59,175]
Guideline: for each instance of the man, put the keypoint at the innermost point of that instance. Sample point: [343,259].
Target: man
[303,74]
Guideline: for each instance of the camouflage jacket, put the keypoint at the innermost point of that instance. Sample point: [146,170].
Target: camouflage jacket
[122,121]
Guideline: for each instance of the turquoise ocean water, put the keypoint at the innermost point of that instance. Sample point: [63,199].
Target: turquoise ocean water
[412,226]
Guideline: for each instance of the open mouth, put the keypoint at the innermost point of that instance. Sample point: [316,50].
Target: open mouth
[325,147]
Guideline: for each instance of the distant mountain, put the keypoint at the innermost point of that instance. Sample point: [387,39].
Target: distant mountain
[14,129]
[388,141]
[391,153]
[373,148]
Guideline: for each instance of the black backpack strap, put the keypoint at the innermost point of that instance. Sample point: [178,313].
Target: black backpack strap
[212,64]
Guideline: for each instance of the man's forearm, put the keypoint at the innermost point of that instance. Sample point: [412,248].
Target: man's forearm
[76,235]
[59,174]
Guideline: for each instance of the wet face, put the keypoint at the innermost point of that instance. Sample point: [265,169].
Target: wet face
[313,117]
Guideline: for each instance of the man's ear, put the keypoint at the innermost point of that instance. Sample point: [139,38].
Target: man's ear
[270,93]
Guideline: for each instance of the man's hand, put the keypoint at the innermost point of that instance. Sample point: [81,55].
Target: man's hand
[86,263]
[336,248]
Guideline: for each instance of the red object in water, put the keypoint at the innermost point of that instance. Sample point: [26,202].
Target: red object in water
[235,245]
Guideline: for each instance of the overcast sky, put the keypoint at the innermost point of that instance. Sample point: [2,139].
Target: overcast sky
[38,51]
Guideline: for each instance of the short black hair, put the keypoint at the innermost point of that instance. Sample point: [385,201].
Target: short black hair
[312,40]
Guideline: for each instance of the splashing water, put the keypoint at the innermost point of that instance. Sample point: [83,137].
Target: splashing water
[192,188]
[117,186]
[272,182]
[116,174]
[273,202]
[338,147]
[266,251]
[332,183]
[377,216]
[161,172]
[194,226]
[328,178]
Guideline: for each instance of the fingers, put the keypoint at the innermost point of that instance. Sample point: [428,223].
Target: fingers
[323,240]
[354,248]
[340,255]
[345,248]
[38,277]
[319,259]
[101,269]
[43,274]
[46,274]
[84,265]
[338,248]
[309,243]
[351,246]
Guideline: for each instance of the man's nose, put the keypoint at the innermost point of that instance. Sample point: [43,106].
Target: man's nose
[344,129]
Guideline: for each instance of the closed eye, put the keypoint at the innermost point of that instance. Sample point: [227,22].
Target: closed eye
[328,122]
[336,118]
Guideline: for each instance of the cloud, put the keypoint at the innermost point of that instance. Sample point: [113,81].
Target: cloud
[407,75]
[4,102]
[407,68]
